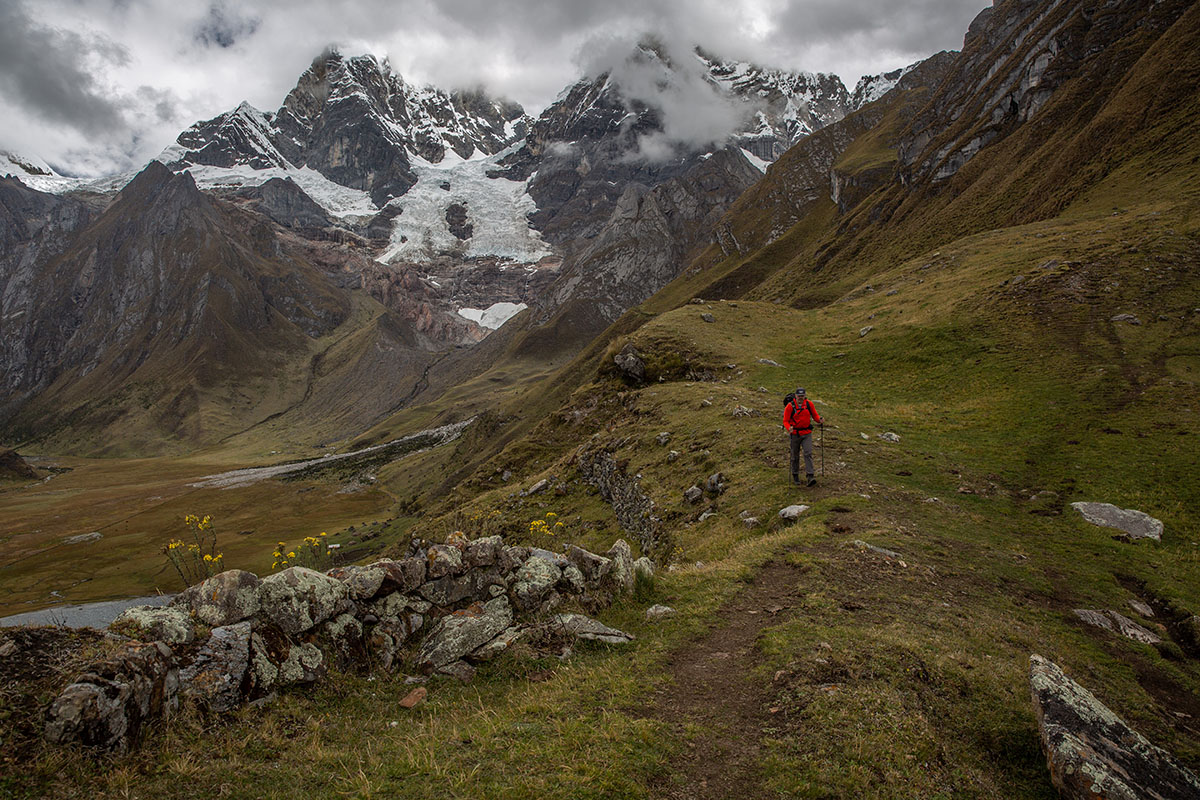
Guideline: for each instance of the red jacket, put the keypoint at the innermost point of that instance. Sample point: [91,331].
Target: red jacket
[798,417]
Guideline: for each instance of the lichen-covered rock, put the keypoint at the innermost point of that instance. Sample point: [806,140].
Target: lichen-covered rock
[263,672]
[658,611]
[512,557]
[218,673]
[594,568]
[500,644]
[404,575]
[1118,623]
[170,624]
[582,627]
[572,580]
[223,599]
[107,707]
[385,640]
[463,632]
[693,495]
[342,636]
[305,663]
[1092,754]
[792,513]
[483,552]
[389,606]
[298,599]
[442,560]
[643,567]
[455,588]
[363,583]
[1134,524]
[621,557]
[533,582]
[630,364]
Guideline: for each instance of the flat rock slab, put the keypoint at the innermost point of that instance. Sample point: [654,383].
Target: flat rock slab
[1117,623]
[582,627]
[1135,524]
[1092,754]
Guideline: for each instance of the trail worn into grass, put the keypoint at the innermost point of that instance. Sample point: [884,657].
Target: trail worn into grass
[714,686]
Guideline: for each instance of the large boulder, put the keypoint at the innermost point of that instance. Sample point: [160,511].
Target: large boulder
[106,707]
[223,599]
[1091,752]
[464,632]
[594,568]
[1133,524]
[298,599]
[621,557]
[217,676]
[171,624]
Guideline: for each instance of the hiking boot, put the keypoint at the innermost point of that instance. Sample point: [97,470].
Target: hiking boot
[795,479]
[812,481]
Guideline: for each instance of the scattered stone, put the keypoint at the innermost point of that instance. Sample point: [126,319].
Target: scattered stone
[706,515]
[865,330]
[1141,607]
[663,437]
[769,362]
[792,513]
[643,567]
[888,436]
[715,483]
[168,624]
[750,522]
[414,698]
[631,364]
[1091,753]
[83,537]
[582,627]
[1130,318]
[1112,621]
[538,487]
[1135,524]
[8,648]
[299,599]
[215,676]
[659,611]
[672,456]
[621,557]
[460,670]
[861,545]
[708,317]
[223,599]
[743,411]
[693,495]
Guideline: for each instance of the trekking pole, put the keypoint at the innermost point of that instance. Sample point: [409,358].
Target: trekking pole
[822,443]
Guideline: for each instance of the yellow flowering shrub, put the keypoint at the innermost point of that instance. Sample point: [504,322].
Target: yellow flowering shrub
[549,527]
[198,559]
[313,552]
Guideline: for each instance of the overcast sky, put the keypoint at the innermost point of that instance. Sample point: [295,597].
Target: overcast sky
[99,86]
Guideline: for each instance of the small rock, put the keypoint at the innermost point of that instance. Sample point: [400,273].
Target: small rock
[743,411]
[860,544]
[540,486]
[8,648]
[715,483]
[769,362]
[792,513]
[643,567]
[461,670]
[865,437]
[865,330]
[658,611]
[1130,318]
[630,363]
[672,456]
[708,317]
[663,437]
[414,698]
[750,522]
[706,515]
[1141,607]
[1112,621]
[582,627]
[889,437]
[83,537]
[693,495]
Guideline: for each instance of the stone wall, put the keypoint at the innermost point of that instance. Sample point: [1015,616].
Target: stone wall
[237,638]
[634,510]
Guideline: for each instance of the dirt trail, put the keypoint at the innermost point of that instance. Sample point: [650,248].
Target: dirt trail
[715,686]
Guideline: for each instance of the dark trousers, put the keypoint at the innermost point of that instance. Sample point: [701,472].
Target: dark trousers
[801,443]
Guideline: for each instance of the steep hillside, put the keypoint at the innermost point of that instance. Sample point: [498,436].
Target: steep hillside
[170,320]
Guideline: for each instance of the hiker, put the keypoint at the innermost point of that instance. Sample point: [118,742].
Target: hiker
[798,418]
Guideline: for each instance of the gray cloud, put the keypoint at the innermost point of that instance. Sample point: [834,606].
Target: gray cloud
[118,79]
[51,72]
